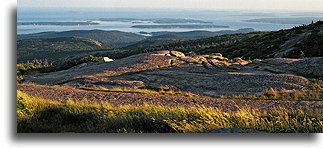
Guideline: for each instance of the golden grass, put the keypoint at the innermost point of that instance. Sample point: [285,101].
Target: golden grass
[39,115]
[144,91]
[269,94]
[229,62]
[274,94]
[314,94]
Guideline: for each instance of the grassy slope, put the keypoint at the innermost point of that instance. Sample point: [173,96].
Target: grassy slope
[39,115]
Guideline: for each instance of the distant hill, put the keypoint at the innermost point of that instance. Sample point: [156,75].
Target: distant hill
[197,34]
[298,42]
[57,49]
[33,46]
[109,37]
[161,40]
[187,46]
[142,46]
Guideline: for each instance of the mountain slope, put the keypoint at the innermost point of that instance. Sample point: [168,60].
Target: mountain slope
[190,45]
[57,49]
[298,42]
[109,37]
[159,39]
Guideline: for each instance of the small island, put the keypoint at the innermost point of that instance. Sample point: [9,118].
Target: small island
[59,23]
[292,20]
[157,20]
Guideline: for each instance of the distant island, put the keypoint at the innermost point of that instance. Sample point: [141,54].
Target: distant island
[178,26]
[157,20]
[59,23]
[198,33]
[298,20]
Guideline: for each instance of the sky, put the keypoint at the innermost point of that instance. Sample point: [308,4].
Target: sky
[304,5]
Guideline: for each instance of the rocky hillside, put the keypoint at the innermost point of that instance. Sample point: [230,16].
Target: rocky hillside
[210,75]
[298,42]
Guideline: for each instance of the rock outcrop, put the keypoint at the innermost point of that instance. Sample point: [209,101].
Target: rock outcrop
[211,75]
[309,67]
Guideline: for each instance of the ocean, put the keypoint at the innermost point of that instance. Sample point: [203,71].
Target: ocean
[234,19]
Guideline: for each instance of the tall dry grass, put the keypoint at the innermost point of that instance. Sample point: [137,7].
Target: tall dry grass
[40,115]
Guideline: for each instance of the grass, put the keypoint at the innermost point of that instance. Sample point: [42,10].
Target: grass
[40,115]
[270,94]
[274,94]
[162,91]
[314,94]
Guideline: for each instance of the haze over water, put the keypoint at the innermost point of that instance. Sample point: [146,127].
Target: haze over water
[235,19]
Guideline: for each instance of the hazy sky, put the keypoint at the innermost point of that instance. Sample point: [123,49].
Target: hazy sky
[307,5]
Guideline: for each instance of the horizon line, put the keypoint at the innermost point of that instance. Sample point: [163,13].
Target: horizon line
[206,9]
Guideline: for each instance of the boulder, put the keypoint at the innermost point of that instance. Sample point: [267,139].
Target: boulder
[177,54]
[218,58]
[215,63]
[107,59]
[217,54]
[190,60]
[163,52]
[200,58]
[237,59]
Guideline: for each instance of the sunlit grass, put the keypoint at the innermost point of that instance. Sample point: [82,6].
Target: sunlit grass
[40,115]
[269,94]
[274,94]
[144,91]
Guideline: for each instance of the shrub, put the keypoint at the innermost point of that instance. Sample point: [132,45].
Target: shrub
[301,55]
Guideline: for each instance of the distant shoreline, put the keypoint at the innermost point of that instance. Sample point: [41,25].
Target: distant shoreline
[59,23]
[179,26]
[297,20]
